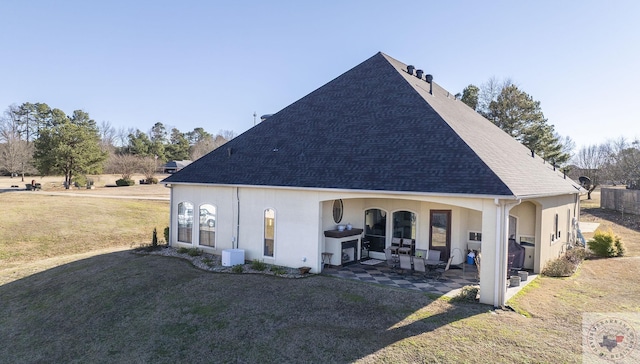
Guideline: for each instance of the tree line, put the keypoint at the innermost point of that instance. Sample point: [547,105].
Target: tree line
[519,115]
[36,139]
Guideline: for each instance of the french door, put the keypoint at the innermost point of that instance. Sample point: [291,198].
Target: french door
[440,232]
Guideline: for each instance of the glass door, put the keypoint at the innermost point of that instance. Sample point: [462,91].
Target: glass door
[440,232]
[375,231]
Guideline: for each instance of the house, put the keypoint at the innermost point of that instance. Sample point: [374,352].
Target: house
[385,149]
[174,166]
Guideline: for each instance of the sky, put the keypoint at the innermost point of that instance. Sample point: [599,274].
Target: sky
[213,64]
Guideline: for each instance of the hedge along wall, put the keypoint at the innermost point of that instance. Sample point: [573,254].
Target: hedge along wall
[623,200]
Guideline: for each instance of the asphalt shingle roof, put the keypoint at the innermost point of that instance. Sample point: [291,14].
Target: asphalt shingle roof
[376,127]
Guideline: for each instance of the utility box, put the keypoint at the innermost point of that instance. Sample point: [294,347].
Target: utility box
[231,257]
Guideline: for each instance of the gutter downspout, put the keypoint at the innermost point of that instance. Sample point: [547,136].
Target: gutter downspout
[502,222]
[238,220]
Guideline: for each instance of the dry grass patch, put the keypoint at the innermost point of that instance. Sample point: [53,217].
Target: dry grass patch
[38,226]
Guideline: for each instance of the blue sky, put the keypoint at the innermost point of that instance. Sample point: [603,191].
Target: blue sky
[212,64]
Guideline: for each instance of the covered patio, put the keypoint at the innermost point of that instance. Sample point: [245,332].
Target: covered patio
[448,284]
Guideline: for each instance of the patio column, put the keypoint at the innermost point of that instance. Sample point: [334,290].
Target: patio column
[488,263]
[493,265]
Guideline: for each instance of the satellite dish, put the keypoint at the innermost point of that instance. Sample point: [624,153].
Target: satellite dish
[584,181]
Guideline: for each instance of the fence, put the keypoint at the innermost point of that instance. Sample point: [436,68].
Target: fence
[623,200]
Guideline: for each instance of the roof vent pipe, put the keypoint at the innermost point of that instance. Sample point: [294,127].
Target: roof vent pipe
[419,73]
[429,79]
[410,69]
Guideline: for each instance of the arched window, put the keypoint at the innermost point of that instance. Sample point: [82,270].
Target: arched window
[269,232]
[185,222]
[208,225]
[404,225]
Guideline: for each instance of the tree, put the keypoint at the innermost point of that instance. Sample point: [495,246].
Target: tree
[148,166]
[516,113]
[178,147]
[622,163]
[71,148]
[591,159]
[470,96]
[197,135]
[16,154]
[123,164]
[139,144]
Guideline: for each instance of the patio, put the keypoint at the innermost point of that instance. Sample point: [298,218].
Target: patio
[449,284]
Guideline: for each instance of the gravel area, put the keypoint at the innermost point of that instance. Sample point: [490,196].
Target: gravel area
[213,263]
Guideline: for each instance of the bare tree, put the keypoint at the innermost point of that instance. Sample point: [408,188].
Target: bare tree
[123,164]
[107,136]
[148,166]
[590,160]
[206,145]
[16,154]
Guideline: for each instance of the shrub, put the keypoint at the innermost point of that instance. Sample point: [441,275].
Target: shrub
[560,267]
[182,250]
[154,239]
[467,293]
[125,182]
[606,244]
[278,270]
[238,268]
[258,265]
[576,255]
[565,265]
[194,252]
[166,234]
[151,181]
[80,180]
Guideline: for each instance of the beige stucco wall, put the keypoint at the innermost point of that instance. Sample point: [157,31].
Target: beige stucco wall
[302,216]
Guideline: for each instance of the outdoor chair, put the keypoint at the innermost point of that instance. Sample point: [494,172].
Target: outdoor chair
[419,266]
[441,270]
[396,243]
[405,262]
[392,260]
[407,247]
[433,255]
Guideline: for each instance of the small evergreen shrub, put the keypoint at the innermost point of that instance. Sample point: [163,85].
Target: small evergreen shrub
[606,244]
[154,239]
[166,234]
[258,265]
[125,182]
[80,180]
[238,268]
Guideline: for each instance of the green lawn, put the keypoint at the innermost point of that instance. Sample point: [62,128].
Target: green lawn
[126,307]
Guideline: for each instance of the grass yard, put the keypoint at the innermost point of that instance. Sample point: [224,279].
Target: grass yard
[116,306]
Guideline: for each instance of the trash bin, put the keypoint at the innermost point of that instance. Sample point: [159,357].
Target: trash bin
[470,258]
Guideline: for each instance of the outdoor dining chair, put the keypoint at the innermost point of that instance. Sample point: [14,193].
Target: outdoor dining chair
[419,266]
[405,262]
[441,270]
[392,260]
[407,247]
[396,243]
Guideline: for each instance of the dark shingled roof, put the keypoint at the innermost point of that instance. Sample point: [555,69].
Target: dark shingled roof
[377,128]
